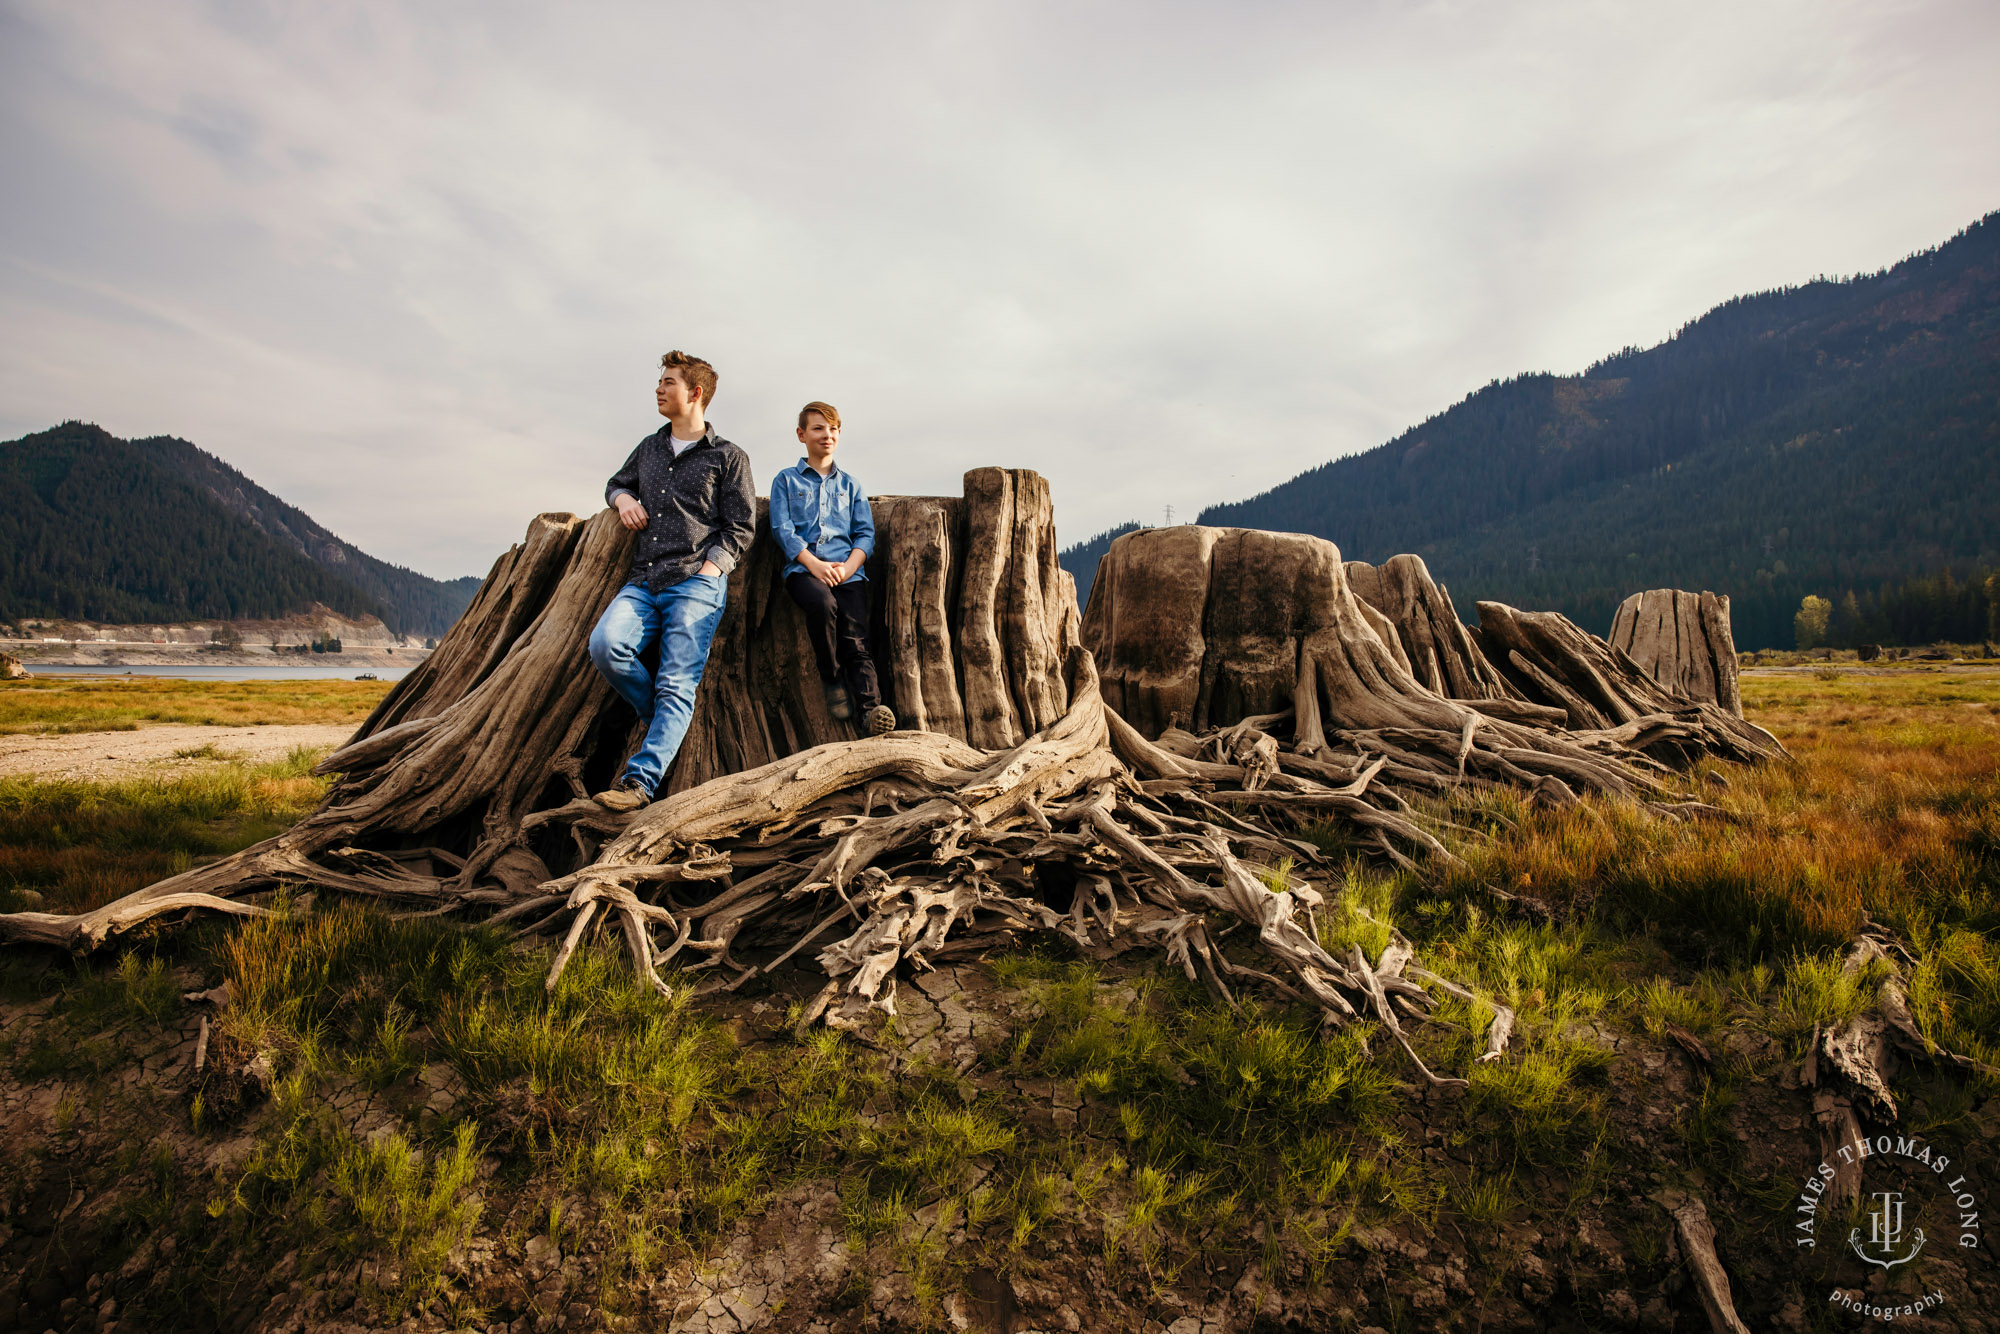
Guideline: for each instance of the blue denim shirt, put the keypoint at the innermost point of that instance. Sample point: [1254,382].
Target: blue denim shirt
[828,516]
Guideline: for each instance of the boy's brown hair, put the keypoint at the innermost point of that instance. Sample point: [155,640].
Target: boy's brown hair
[826,410]
[698,373]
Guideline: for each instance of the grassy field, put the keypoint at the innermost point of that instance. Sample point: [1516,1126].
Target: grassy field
[45,704]
[638,1133]
[1892,811]
[79,845]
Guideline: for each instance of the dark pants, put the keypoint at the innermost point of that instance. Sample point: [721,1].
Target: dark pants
[837,625]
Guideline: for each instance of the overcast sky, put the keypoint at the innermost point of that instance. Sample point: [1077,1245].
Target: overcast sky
[412,266]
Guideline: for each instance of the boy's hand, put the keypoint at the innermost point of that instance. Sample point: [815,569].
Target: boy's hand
[631,513]
[824,571]
[709,567]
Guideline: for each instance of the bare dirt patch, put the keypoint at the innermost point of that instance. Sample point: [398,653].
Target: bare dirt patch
[104,757]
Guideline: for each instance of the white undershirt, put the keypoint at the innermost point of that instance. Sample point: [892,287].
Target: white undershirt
[680,446]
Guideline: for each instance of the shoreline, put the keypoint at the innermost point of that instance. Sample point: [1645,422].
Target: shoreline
[360,658]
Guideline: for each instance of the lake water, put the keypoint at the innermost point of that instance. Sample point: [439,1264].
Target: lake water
[221,673]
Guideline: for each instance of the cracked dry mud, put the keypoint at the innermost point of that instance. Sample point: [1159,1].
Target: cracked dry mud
[73,1256]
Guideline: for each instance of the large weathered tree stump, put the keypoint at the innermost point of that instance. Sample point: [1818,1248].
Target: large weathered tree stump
[1129,777]
[972,619]
[1204,627]
[972,616]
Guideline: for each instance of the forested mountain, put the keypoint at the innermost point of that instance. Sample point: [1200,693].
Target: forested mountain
[103,529]
[415,603]
[1839,436]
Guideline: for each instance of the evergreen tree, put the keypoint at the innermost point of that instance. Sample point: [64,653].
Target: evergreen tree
[1846,630]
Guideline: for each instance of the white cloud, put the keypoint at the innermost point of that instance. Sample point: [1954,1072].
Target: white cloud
[410,268]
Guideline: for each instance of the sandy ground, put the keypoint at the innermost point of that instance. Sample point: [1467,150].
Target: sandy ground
[149,752]
[1959,668]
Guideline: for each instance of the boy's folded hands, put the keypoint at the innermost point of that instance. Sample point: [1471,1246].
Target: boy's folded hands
[828,573]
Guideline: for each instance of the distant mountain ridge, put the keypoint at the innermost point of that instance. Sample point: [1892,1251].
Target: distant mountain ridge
[1817,439]
[97,528]
[1081,559]
[429,604]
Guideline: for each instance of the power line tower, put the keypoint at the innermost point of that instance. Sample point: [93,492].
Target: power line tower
[1170,517]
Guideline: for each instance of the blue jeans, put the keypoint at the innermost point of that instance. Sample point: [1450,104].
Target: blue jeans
[683,620]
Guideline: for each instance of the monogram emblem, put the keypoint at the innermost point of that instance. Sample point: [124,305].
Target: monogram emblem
[1885,1233]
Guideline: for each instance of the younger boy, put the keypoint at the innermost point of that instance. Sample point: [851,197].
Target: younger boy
[821,520]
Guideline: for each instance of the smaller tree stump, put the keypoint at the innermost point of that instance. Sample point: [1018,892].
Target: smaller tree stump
[1682,641]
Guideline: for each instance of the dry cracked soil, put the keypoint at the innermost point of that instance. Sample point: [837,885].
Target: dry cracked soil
[87,1245]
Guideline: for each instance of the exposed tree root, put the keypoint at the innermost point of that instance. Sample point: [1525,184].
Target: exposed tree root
[1848,1067]
[1695,1236]
[1609,697]
[1028,805]
[966,866]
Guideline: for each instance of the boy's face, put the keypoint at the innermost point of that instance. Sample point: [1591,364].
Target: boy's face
[819,436]
[674,394]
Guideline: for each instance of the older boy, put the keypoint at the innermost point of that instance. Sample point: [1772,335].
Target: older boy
[687,492]
[820,519]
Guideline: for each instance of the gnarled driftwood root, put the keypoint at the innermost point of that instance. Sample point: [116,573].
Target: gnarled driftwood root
[1252,698]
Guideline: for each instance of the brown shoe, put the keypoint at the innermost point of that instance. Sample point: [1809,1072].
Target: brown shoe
[627,796]
[880,719]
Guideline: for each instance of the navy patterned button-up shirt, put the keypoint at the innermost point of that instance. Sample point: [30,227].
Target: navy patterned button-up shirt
[700,506]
